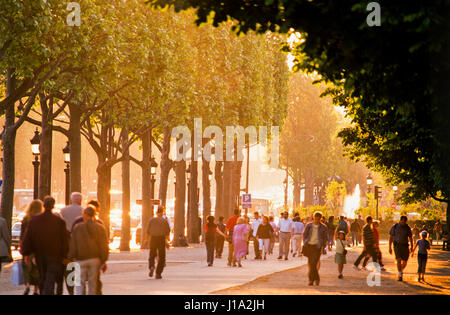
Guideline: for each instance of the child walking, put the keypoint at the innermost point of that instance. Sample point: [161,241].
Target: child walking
[341,252]
[422,255]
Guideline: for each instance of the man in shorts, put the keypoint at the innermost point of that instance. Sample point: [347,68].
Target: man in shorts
[399,235]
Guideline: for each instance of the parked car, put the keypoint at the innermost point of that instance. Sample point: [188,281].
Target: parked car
[15,235]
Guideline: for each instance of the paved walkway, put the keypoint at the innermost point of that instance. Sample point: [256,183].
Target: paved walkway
[294,281]
[186,273]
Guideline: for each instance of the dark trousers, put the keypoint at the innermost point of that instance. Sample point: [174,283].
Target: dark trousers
[210,244]
[313,260]
[367,251]
[220,240]
[422,260]
[51,273]
[377,254]
[256,247]
[157,248]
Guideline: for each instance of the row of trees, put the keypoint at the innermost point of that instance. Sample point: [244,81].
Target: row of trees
[310,149]
[392,79]
[129,74]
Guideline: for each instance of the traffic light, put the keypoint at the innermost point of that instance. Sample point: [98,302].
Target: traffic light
[377,192]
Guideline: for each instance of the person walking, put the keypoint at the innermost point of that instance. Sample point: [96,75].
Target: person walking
[231,222]
[315,241]
[361,226]
[211,232]
[369,244]
[46,239]
[399,235]
[330,231]
[340,258]
[241,234]
[285,228]
[220,240]
[5,243]
[158,230]
[89,248]
[376,238]
[264,232]
[273,235]
[256,222]
[30,270]
[355,230]
[73,211]
[437,230]
[422,255]
[298,228]
[342,226]
[72,214]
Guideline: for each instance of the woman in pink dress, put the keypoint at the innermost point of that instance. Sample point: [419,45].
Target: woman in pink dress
[240,238]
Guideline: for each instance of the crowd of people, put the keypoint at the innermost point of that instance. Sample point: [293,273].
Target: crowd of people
[51,242]
[68,247]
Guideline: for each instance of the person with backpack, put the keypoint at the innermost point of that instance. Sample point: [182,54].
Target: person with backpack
[89,248]
[399,235]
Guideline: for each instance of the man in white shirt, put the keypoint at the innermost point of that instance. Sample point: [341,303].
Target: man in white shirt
[73,211]
[285,227]
[255,224]
[297,238]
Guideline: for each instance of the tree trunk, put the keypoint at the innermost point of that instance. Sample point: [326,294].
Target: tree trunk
[75,147]
[206,189]
[8,144]
[180,202]
[309,188]
[193,222]
[103,187]
[125,231]
[147,208]
[218,176]
[227,188]
[296,192]
[236,185]
[166,165]
[45,147]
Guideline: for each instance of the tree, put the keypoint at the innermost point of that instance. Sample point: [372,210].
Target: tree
[394,77]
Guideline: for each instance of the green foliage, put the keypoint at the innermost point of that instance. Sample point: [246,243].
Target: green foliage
[335,194]
[393,78]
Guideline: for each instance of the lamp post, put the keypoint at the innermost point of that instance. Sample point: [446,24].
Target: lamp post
[188,173]
[153,166]
[66,152]
[369,181]
[35,141]
[395,189]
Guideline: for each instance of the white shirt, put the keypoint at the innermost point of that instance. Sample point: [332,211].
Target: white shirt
[314,238]
[299,228]
[255,225]
[285,225]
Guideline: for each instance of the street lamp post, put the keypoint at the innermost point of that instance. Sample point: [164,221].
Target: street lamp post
[35,141]
[66,151]
[153,166]
[369,183]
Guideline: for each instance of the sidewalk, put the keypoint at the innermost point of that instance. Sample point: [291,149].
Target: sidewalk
[295,281]
[186,272]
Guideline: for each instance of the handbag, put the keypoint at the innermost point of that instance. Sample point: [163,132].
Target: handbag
[17,277]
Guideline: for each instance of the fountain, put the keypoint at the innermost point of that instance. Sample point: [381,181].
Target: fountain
[352,203]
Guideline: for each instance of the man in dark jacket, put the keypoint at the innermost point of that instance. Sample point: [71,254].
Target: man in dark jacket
[315,239]
[46,238]
[158,230]
[89,248]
